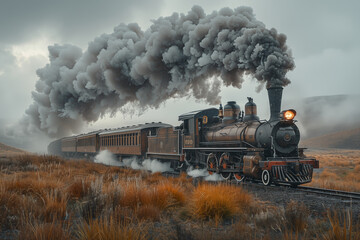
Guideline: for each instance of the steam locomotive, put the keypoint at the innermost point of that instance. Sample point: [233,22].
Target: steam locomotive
[226,141]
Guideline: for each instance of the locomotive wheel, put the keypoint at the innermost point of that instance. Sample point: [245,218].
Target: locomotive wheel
[265,177]
[239,177]
[224,164]
[212,162]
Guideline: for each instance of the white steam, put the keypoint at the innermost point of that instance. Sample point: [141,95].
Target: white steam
[156,166]
[107,158]
[152,165]
[203,173]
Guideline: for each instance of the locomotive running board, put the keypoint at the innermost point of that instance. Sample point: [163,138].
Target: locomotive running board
[227,149]
[164,155]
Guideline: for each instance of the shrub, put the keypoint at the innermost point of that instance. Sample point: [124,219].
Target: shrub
[55,206]
[107,229]
[296,215]
[45,231]
[148,212]
[218,201]
[169,195]
[341,227]
[78,189]
[10,211]
[135,196]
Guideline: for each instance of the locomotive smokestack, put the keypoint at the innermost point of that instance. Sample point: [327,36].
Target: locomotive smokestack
[275,95]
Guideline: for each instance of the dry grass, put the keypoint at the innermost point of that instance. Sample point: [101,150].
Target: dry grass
[148,212]
[55,206]
[340,169]
[7,151]
[296,216]
[108,229]
[78,189]
[169,195]
[218,201]
[45,231]
[342,227]
[45,197]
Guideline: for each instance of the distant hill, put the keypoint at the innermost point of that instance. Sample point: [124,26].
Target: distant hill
[349,139]
[6,150]
[322,115]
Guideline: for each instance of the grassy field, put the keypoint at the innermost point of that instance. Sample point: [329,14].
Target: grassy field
[45,197]
[339,169]
[7,151]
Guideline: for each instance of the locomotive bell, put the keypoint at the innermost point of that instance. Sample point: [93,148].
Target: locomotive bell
[250,111]
[231,112]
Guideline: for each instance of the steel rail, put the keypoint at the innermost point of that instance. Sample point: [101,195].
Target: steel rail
[319,191]
[330,192]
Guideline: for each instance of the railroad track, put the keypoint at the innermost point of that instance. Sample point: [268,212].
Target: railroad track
[331,192]
[353,196]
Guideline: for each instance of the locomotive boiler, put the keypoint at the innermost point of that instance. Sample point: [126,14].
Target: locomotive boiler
[226,141]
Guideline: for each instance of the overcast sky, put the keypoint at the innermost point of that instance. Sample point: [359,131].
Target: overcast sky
[323,36]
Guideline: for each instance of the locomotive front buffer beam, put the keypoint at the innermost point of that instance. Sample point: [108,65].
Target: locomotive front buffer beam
[289,171]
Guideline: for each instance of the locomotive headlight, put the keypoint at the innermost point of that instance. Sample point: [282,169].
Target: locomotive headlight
[288,114]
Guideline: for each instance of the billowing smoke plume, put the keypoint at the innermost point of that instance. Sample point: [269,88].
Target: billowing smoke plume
[177,56]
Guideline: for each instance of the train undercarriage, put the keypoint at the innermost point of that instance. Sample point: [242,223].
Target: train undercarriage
[247,163]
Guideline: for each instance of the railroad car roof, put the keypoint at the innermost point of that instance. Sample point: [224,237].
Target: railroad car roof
[198,113]
[68,138]
[135,128]
[89,134]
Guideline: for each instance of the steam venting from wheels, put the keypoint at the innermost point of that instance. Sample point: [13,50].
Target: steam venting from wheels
[180,55]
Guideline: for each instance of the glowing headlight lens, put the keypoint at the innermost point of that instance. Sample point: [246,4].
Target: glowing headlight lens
[289,114]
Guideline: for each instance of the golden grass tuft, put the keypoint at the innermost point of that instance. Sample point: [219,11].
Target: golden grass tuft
[32,184]
[153,178]
[148,212]
[45,231]
[78,189]
[218,201]
[16,209]
[167,195]
[135,196]
[10,211]
[341,227]
[55,206]
[296,216]
[107,229]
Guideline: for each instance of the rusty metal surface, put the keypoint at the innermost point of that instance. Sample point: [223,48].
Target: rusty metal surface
[234,132]
[251,165]
[249,133]
[166,141]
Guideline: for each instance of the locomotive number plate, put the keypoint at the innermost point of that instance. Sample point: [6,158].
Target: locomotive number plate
[205,119]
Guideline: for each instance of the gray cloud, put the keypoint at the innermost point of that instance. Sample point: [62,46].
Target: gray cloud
[6,59]
[66,20]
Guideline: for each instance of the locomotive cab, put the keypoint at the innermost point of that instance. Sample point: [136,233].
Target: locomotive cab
[193,122]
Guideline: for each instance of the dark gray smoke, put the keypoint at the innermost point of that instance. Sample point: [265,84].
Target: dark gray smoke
[177,56]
